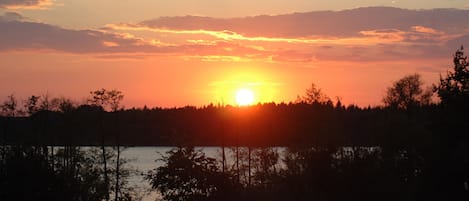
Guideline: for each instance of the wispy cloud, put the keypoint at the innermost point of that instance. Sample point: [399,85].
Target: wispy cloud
[227,35]
[346,23]
[24,35]
[413,35]
[26,4]
[11,16]
[217,58]
[427,30]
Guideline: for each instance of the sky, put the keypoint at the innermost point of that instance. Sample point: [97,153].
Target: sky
[197,52]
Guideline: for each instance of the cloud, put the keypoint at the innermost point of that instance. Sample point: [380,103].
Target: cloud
[422,29]
[364,34]
[218,58]
[415,34]
[11,16]
[346,23]
[457,42]
[293,56]
[24,35]
[224,34]
[29,36]
[25,4]
[371,45]
[394,35]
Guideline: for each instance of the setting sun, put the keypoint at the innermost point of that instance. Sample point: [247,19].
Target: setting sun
[244,97]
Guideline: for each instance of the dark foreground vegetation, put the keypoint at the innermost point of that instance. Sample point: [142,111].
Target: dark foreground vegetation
[411,149]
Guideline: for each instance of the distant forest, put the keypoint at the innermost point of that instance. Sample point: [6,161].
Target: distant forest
[412,148]
[294,124]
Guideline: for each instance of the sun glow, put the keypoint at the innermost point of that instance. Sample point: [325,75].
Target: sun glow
[243,86]
[244,97]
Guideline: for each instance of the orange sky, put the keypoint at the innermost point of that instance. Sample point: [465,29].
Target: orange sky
[192,60]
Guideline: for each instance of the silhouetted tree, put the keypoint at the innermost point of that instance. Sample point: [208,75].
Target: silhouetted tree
[241,166]
[448,164]
[9,106]
[455,86]
[9,110]
[187,174]
[266,160]
[114,100]
[63,104]
[32,105]
[314,95]
[107,99]
[99,98]
[407,92]
[309,173]
[110,99]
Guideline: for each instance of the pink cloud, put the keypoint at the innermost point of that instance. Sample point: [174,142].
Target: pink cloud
[26,4]
[345,23]
[427,30]
[17,35]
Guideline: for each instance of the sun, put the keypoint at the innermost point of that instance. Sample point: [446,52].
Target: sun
[244,97]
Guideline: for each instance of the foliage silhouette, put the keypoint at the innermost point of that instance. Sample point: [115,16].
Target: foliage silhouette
[187,175]
[27,174]
[407,92]
[454,88]
[314,95]
[109,99]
